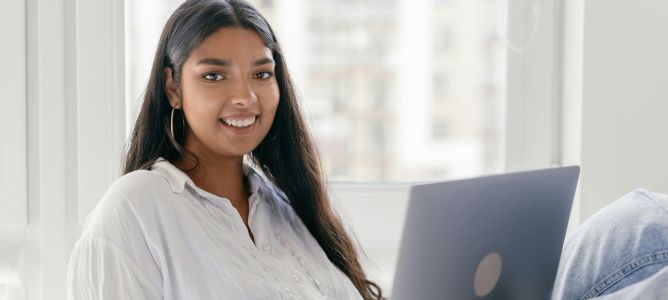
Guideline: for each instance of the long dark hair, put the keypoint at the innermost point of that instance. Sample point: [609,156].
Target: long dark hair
[285,154]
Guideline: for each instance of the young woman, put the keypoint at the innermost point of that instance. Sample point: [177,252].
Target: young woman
[223,196]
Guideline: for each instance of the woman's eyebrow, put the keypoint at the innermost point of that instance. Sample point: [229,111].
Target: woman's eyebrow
[214,61]
[263,61]
[227,63]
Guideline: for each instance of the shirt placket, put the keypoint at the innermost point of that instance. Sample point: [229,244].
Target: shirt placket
[261,254]
[301,261]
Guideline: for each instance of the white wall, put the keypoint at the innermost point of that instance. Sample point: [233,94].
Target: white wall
[624,100]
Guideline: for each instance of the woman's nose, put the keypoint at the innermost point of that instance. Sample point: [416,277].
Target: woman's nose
[243,94]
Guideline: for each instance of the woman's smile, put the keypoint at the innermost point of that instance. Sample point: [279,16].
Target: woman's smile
[239,122]
[239,125]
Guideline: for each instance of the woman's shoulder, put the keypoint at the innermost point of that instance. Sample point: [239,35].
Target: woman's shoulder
[132,189]
[130,198]
[116,239]
[139,183]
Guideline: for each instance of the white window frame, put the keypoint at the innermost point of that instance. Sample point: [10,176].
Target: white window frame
[100,68]
[13,137]
[64,70]
[534,84]
[13,125]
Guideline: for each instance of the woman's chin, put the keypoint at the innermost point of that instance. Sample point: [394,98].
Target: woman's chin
[237,151]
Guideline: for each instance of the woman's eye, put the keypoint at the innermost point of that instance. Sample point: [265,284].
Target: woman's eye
[263,75]
[213,77]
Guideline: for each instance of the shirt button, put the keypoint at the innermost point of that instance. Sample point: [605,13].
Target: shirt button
[295,277]
[301,262]
[266,248]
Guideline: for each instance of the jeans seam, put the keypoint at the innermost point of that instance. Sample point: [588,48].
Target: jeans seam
[626,270]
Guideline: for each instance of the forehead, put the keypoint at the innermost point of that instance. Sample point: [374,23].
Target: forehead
[232,43]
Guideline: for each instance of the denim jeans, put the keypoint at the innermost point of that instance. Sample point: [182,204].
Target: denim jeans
[621,252]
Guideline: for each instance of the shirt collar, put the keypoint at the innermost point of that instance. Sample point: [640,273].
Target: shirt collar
[177,179]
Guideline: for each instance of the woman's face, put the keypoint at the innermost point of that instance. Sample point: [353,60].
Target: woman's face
[228,93]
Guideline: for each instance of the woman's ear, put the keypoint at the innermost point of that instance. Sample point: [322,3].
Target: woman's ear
[170,89]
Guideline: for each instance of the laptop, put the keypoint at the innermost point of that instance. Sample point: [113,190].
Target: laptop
[493,237]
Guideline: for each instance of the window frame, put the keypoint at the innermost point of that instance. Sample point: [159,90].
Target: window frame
[534,85]
[14,149]
[100,45]
[13,124]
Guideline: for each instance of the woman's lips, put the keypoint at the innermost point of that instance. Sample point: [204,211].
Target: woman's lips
[240,130]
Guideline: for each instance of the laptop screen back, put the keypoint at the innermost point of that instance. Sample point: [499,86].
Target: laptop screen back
[494,237]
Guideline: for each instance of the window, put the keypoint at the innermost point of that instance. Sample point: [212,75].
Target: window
[395,91]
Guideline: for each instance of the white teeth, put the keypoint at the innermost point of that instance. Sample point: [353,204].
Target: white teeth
[241,123]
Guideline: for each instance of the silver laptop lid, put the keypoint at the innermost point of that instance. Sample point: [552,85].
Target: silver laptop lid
[494,237]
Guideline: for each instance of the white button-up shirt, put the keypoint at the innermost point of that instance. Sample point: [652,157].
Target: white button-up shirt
[156,235]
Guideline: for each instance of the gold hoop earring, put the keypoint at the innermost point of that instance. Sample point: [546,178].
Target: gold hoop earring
[171,125]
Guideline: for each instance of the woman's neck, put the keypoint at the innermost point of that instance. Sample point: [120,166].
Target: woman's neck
[221,176]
